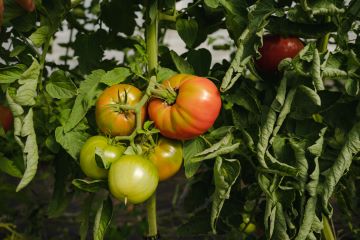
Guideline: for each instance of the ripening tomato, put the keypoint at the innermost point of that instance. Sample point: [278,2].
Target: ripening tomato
[110,118]
[167,156]
[133,178]
[6,118]
[28,5]
[274,49]
[194,111]
[110,153]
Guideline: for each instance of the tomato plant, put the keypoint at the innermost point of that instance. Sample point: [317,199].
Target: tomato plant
[98,145]
[6,118]
[167,156]
[110,118]
[191,113]
[276,48]
[133,178]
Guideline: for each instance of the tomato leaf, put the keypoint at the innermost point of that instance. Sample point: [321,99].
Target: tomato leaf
[12,73]
[40,36]
[200,60]
[85,217]
[191,148]
[89,185]
[187,29]
[100,162]
[26,93]
[71,141]
[88,93]
[182,65]
[8,166]
[60,197]
[115,76]
[103,218]
[60,85]
[226,171]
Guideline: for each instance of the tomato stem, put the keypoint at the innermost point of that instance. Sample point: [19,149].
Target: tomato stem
[151,215]
[151,37]
[327,231]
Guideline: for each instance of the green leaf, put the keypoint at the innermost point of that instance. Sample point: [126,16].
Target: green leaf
[164,73]
[60,85]
[200,60]
[30,151]
[115,76]
[71,141]
[88,93]
[247,42]
[311,94]
[226,171]
[342,163]
[26,93]
[85,216]
[11,74]
[191,148]
[181,65]
[8,166]
[89,185]
[40,36]
[103,219]
[187,29]
[119,15]
[61,197]
[212,3]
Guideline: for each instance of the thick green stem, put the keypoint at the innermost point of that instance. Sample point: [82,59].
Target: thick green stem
[151,215]
[152,53]
[327,231]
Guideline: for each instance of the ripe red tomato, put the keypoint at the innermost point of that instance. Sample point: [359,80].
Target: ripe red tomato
[133,178]
[28,5]
[194,111]
[275,49]
[113,120]
[87,156]
[167,157]
[6,118]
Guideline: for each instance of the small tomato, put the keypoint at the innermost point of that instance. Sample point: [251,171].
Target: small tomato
[167,156]
[110,153]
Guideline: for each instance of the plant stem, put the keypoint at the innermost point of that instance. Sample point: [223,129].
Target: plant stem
[152,53]
[327,231]
[151,215]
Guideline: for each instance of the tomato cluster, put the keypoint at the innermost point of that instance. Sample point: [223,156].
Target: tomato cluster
[189,111]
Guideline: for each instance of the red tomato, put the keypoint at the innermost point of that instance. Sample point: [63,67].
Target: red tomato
[6,118]
[113,120]
[275,49]
[194,111]
[28,5]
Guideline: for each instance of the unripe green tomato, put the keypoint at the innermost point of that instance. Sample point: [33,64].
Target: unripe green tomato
[247,228]
[133,178]
[87,156]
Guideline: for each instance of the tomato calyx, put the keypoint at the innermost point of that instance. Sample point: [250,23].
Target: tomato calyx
[166,93]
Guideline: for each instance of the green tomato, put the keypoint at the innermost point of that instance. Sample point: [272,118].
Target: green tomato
[110,153]
[133,178]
